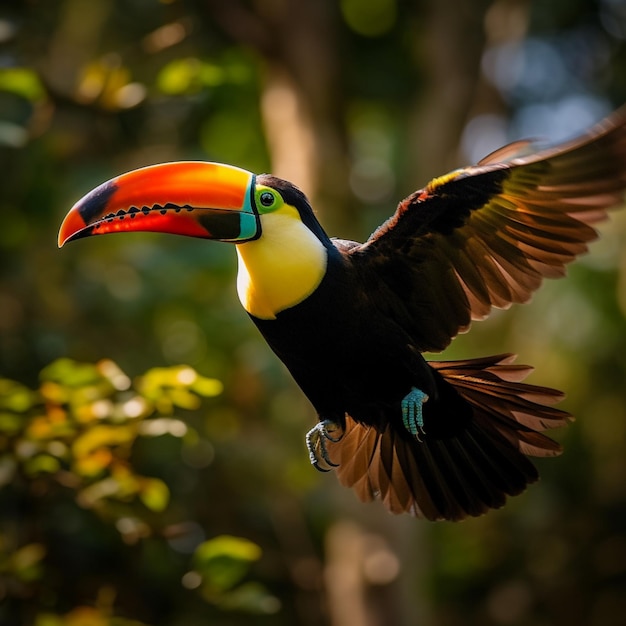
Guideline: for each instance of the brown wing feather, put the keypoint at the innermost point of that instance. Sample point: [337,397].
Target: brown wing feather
[487,236]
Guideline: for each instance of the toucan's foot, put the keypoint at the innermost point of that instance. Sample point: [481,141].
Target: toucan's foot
[316,439]
[412,413]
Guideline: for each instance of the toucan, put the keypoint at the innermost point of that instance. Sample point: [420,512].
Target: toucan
[442,440]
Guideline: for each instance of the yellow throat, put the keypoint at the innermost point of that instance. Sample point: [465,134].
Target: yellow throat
[281,268]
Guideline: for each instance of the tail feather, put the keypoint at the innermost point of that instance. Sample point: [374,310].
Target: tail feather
[476,467]
[519,411]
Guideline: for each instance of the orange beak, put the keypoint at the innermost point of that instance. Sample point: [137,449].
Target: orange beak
[192,198]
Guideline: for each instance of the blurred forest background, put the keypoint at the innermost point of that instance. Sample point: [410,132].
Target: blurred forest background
[152,460]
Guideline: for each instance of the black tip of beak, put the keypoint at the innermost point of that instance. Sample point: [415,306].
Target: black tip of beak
[93,205]
[89,210]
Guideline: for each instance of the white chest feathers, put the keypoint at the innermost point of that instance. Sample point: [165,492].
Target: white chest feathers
[282,268]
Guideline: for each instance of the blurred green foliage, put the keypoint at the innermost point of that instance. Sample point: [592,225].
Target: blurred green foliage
[74,437]
[163,499]
[79,427]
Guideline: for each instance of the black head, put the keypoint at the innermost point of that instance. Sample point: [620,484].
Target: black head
[295,197]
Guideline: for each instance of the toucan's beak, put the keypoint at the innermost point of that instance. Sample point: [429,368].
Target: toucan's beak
[192,198]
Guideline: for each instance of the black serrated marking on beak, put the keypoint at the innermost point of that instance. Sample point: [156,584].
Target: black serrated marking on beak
[146,210]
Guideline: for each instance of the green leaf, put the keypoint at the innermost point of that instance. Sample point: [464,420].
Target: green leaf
[154,494]
[251,597]
[189,75]
[16,397]
[23,82]
[42,464]
[26,561]
[10,423]
[102,436]
[207,387]
[71,373]
[179,385]
[370,19]
[49,619]
[224,561]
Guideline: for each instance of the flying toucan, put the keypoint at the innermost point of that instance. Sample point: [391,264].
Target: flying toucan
[440,440]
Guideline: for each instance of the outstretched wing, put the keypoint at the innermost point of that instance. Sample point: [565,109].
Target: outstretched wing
[486,236]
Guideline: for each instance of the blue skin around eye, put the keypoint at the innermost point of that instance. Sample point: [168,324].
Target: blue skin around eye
[248,219]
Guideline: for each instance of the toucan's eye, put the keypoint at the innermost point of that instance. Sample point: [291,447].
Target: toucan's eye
[267,199]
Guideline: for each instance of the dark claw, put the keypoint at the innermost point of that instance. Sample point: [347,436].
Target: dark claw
[316,465]
[316,440]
